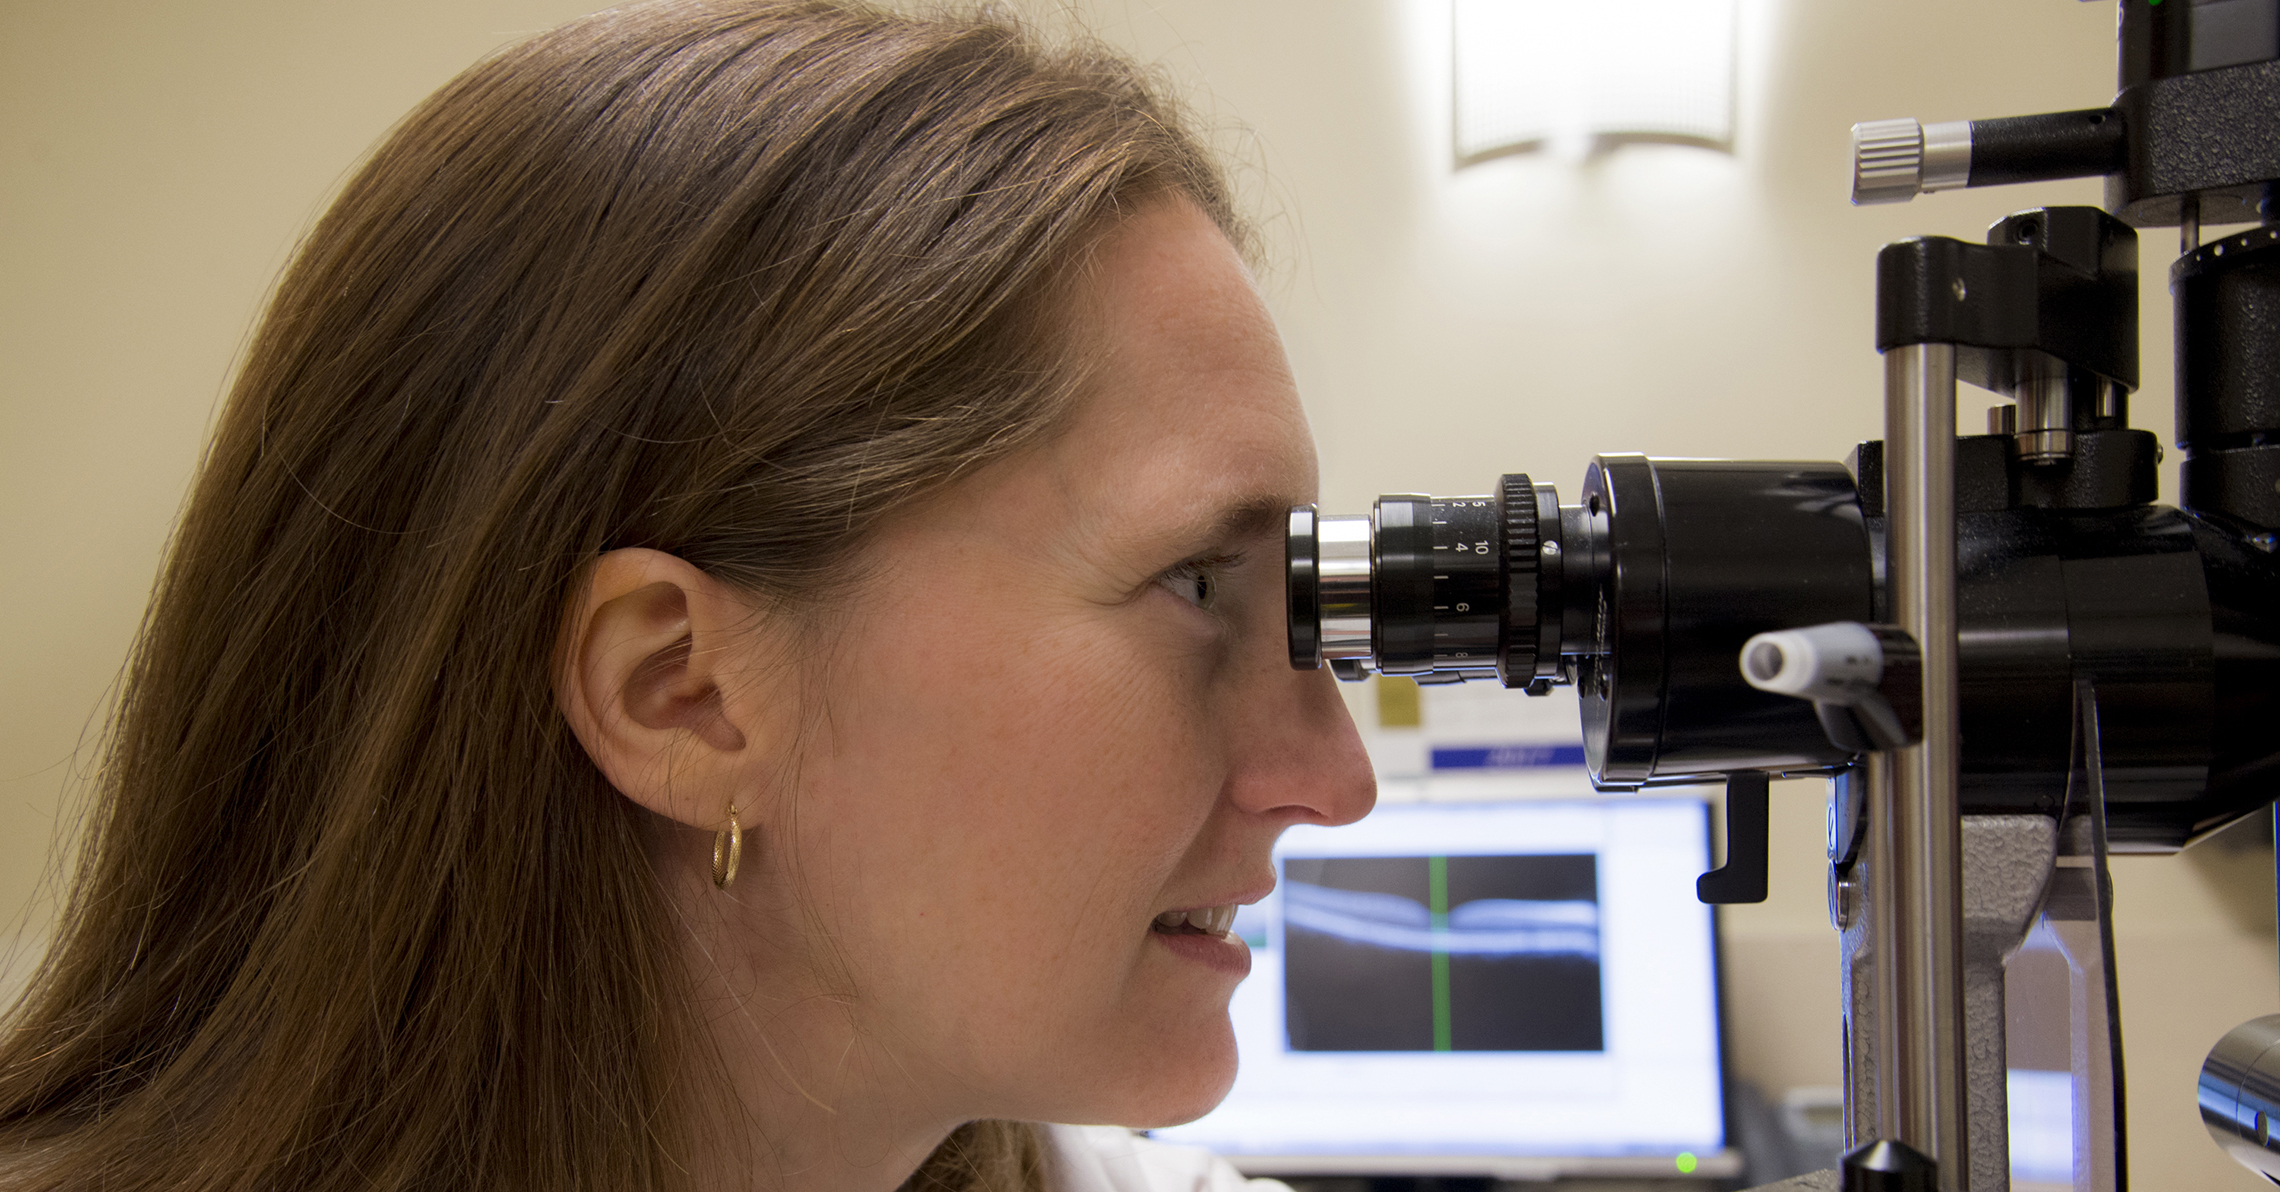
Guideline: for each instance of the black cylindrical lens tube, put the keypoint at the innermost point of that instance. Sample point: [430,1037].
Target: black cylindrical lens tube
[1437,588]
[2228,393]
[1701,556]
[1641,595]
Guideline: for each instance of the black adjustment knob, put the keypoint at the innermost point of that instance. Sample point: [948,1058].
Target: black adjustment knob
[1516,510]
[1887,1166]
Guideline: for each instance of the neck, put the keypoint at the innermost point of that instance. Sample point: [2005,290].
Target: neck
[812,1099]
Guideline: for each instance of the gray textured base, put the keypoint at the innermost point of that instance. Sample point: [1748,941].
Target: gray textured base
[1813,1181]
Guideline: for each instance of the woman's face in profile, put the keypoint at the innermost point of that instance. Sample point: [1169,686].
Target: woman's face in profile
[1059,710]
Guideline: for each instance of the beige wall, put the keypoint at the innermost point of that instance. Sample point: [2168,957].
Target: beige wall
[161,156]
[158,160]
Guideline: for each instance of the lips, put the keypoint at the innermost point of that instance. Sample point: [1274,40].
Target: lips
[1202,935]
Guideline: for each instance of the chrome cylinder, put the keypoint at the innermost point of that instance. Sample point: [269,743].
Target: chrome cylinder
[1344,567]
[2240,1094]
[1947,155]
[1925,948]
[2045,421]
[1874,1090]
[2113,401]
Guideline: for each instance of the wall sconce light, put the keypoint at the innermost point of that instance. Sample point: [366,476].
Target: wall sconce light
[1576,74]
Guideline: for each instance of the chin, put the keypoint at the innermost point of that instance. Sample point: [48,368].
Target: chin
[1179,1116]
[1169,1090]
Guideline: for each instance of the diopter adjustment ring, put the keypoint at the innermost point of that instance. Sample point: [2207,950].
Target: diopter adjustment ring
[1516,512]
[1401,584]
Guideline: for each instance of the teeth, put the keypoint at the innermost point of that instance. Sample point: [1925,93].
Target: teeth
[1211,920]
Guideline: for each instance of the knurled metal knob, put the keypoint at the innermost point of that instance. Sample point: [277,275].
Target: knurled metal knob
[1896,160]
[1516,502]
[1888,161]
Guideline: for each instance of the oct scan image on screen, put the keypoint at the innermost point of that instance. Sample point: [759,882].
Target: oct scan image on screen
[1442,953]
[1483,987]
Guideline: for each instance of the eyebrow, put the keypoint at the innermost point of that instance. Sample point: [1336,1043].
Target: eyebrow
[1242,518]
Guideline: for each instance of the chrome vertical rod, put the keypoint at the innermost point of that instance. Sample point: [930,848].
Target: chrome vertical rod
[1888,1069]
[1926,947]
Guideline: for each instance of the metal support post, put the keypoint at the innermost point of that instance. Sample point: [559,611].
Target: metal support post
[1922,1100]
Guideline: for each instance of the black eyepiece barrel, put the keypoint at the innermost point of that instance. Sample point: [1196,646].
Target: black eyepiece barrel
[1440,589]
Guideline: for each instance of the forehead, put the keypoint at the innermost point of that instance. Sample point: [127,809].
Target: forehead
[1190,408]
[1185,435]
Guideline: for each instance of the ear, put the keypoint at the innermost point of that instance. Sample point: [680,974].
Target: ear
[660,678]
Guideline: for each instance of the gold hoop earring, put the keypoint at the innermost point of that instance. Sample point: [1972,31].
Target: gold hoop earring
[728,851]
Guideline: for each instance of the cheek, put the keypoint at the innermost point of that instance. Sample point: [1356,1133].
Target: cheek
[1039,773]
[1038,712]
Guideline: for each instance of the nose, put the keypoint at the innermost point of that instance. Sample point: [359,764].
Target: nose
[1300,759]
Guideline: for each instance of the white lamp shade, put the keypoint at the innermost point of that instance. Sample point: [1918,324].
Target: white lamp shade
[1532,71]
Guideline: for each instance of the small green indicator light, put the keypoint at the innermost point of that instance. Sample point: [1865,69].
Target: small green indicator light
[1687,1162]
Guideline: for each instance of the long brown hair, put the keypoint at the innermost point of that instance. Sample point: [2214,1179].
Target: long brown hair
[728,280]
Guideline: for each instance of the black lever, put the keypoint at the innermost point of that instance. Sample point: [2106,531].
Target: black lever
[1742,878]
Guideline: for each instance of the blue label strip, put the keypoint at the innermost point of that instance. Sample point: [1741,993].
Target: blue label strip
[1506,757]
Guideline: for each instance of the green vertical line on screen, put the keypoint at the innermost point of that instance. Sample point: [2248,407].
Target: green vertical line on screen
[1437,879]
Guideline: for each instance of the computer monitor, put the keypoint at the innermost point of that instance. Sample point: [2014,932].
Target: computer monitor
[1519,989]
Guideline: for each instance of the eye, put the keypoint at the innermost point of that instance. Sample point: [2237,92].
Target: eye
[1197,581]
